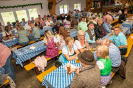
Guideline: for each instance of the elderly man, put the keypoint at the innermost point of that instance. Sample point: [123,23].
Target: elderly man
[55,29]
[119,39]
[89,75]
[90,34]
[23,22]
[27,26]
[35,33]
[9,25]
[99,30]
[107,25]
[114,54]
[82,25]
[1,27]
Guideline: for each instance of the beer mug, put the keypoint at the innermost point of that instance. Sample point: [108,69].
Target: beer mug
[68,65]
[77,60]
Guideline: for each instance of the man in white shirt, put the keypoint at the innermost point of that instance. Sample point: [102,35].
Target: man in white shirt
[27,26]
[49,23]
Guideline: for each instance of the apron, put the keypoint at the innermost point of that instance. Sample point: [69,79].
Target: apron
[62,58]
[52,50]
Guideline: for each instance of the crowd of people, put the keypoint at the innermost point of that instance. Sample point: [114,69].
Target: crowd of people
[96,72]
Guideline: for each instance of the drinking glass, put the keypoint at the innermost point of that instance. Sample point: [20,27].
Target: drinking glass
[68,65]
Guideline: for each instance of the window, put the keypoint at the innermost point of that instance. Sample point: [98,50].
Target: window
[21,14]
[77,6]
[63,9]
[8,16]
[33,12]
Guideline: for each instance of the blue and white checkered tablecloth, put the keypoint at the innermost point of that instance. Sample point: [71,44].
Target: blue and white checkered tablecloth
[59,77]
[2,70]
[129,25]
[25,53]
[10,42]
[108,36]
[73,32]
[42,31]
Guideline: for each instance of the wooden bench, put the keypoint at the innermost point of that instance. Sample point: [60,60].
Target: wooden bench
[31,65]
[40,77]
[130,44]
[6,82]
[20,46]
[117,25]
[112,77]
[116,20]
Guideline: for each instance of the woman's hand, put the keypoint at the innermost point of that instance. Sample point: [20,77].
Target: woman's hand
[72,70]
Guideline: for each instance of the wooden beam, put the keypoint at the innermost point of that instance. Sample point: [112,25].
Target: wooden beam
[88,4]
[123,4]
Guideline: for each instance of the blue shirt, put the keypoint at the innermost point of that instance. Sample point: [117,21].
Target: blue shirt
[114,54]
[23,23]
[119,40]
[88,37]
[76,15]
[107,27]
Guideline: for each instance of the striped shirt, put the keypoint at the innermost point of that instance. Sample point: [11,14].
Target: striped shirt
[5,52]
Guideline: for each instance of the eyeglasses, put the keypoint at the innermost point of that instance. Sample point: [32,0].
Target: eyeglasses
[82,35]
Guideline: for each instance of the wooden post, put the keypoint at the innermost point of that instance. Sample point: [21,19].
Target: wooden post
[123,4]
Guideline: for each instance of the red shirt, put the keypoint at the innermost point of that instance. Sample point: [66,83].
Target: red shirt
[5,52]
[103,33]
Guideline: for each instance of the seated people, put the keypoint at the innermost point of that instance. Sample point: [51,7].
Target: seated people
[37,23]
[5,57]
[7,33]
[35,33]
[62,36]
[32,20]
[82,25]
[73,20]
[50,42]
[114,54]
[94,20]
[45,18]
[67,22]
[42,23]
[89,75]
[1,27]
[55,29]
[123,16]
[99,30]
[39,18]
[17,22]
[23,22]
[9,25]
[119,39]
[62,17]
[107,16]
[49,23]
[76,15]
[22,34]
[104,64]
[68,51]
[54,18]
[107,25]
[81,43]
[90,34]
[27,26]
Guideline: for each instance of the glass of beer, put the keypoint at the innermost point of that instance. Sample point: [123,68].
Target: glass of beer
[68,65]
[12,27]
[90,48]
[77,60]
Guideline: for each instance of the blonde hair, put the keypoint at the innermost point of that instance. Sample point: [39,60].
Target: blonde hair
[99,19]
[20,27]
[79,33]
[47,36]
[108,19]
[103,50]
[68,39]
[36,20]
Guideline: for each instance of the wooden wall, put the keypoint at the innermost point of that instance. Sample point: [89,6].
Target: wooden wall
[88,4]
[52,11]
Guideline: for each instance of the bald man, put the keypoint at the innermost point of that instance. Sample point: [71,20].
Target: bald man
[114,54]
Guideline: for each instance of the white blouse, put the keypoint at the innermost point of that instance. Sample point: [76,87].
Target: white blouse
[78,44]
[65,51]
[49,23]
